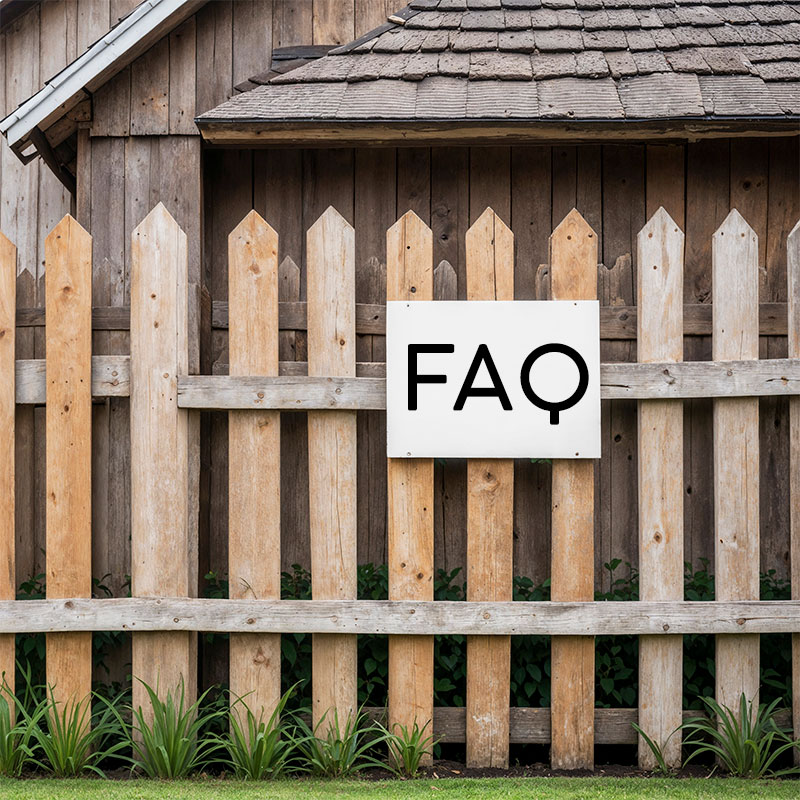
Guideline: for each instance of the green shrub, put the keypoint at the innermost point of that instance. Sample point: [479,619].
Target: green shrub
[746,744]
[16,738]
[407,747]
[168,739]
[68,739]
[254,749]
[333,749]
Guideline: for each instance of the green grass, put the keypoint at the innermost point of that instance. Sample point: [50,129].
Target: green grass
[485,789]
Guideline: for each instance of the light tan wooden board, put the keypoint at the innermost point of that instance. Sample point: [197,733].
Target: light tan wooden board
[161,547]
[8,583]
[254,518]
[409,276]
[660,338]
[793,276]
[736,446]
[401,617]
[68,276]
[573,269]
[332,457]
[490,521]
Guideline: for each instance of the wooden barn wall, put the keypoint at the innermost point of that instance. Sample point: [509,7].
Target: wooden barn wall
[616,187]
[33,48]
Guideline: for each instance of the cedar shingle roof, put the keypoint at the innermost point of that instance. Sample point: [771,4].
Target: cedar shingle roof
[548,60]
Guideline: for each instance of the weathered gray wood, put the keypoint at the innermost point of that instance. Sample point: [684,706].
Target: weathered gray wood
[447,618]
[532,725]
[110,378]
[283,393]
[616,322]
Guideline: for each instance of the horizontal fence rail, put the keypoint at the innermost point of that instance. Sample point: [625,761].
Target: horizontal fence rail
[440,617]
[293,391]
[617,323]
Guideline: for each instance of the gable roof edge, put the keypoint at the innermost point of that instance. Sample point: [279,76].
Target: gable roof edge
[128,39]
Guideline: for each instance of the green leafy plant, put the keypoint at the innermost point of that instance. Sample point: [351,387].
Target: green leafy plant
[69,740]
[662,768]
[16,738]
[747,744]
[167,740]
[408,747]
[333,749]
[255,749]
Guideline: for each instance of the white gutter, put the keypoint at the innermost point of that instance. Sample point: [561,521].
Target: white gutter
[103,59]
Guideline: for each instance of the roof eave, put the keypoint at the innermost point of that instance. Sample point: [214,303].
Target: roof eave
[147,23]
[343,133]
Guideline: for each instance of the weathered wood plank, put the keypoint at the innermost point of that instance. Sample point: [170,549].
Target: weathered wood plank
[182,78]
[409,276]
[150,86]
[161,546]
[395,617]
[793,275]
[110,378]
[332,456]
[660,296]
[736,448]
[68,283]
[333,21]
[616,322]
[490,523]
[254,461]
[573,270]
[8,582]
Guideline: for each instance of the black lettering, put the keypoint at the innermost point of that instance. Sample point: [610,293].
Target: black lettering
[562,405]
[414,379]
[482,354]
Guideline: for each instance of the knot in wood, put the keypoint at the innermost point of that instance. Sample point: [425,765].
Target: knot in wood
[250,621]
[665,627]
[741,621]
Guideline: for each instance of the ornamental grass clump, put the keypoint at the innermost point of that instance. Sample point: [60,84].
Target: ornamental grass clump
[408,746]
[747,744]
[16,737]
[255,749]
[333,749]
[66,739]
[167,739]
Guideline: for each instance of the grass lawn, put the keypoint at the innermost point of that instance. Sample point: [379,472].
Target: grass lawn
[485,789]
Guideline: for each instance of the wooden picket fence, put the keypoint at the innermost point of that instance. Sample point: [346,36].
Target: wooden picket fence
[164,614]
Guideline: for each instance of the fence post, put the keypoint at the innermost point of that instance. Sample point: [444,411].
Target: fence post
[660,338]
[68,344]
[736,516]
[332,457]
[409,276]
[793,261]
[8,390]
[162,497]
[254,460]
[573,276]
[490,525]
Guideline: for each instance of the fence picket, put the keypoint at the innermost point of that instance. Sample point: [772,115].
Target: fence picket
[254,456]
[332,457]
[490,524]
[162,551]
[8,303]
[660,338]
[793,262]
[573,276]
[409,276]
[736,503]
[68,284]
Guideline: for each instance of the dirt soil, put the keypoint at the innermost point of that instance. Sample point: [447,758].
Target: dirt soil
[454,769]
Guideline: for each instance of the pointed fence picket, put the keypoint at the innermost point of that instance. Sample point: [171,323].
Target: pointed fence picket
[259,393]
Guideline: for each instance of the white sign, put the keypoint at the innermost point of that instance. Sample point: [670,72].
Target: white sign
[492,379]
